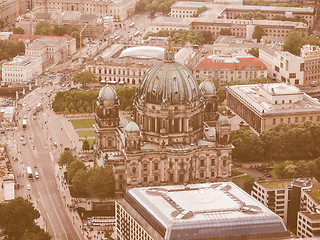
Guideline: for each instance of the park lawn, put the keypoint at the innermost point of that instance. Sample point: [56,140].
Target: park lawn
[83,123]
[86,133]
[239,181]
[90,141]
[235,173]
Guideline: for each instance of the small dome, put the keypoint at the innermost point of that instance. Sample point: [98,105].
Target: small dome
[208,87]
[132,127]
[223,121]
[107,93]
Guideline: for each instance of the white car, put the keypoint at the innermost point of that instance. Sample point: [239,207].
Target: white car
[28,187]
[36,174]
[21,139]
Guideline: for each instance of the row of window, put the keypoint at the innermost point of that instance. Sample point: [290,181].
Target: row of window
[296,120]
[128,72]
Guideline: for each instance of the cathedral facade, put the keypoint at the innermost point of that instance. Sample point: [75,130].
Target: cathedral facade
[176,135]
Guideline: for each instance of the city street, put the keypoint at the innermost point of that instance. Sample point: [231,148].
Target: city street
[34,147]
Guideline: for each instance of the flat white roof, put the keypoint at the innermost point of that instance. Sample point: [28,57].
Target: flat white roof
[187,208]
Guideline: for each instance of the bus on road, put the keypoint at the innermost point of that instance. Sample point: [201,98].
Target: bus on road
[24,123]
[29,173]
[39,107]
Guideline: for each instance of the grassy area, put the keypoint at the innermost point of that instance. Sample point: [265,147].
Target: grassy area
[239,181]
[90,141]
[86,133]
[276,184]
[235,173]
[83,123]
[315,191]
[128,118]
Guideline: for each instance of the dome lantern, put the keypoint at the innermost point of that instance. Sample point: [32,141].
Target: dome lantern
[169,53]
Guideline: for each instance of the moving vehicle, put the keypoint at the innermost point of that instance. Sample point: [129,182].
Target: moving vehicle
[39,107]
[131,25]
[29,173]
[24,123]
[28,187]
[36,174]
[137,33]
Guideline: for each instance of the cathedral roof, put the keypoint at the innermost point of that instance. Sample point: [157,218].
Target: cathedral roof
[208,87]
[169,83]
[107,93]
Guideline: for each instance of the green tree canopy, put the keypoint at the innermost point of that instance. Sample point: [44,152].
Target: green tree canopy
[254,52]
[258,32]
[162,6]
[126,97]
[85,145]
[296,39]
[226,31]
[84,77]
[58,30]
[36,233]
[248,146]
[43,28]
[201,10]
[18,219]
[18,30]
[101,182]
[66,158]
[10,49]
[74,167]
[208,37]
[80,183]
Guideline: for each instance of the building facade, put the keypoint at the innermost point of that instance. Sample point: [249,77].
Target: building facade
[295,70]
[219,210]
[264,106]
[229,68]
[231,12]
[119,9]
[244,28]
[176,137]
[21,69]
[296,201]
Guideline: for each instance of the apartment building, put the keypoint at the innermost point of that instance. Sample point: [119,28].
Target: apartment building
[229,68]
[264,106]
[292,69]
[296,201]
[233,11]
[21,69]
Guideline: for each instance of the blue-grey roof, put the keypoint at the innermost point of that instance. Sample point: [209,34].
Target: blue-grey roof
[132,127]
[208,87]
[107,93]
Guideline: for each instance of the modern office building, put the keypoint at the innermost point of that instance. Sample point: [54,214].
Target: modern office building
[296,201]
[264,106]
[211,211]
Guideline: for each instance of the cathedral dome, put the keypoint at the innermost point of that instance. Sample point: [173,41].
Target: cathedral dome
[208,87]
[169,83]
[132,127]
[107,93]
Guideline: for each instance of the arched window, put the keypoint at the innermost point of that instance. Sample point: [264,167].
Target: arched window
[134,170]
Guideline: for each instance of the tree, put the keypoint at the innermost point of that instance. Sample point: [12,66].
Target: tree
[66,158]
[208,37]
[248,185]
[74,167]
[296,39]
[258,32]
[290,171]
[10,49]
[80,183]
[126,97]
[201,10]
[101,182]
[59,30]
[85,145]
[302,169]
[279,168]
[36,233]
[18,30]
[247,146]
[84,77]
[254,52]
[225,31]
[43,28]
[17,218]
